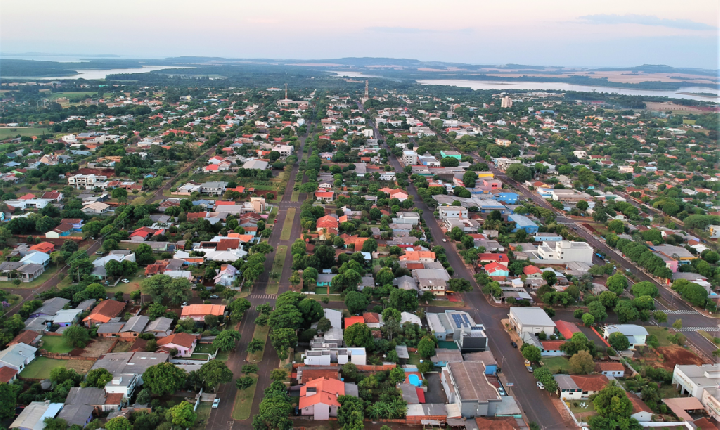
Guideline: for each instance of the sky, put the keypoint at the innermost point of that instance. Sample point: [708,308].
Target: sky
[612,33]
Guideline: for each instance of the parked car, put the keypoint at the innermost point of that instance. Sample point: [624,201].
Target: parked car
[540,385]
[501,391]
[125,280]
[513,344]
[215,404]
[444,240]
[530,369]
[214,296]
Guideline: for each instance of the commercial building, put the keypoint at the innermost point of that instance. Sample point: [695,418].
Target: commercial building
[466,385]
[531,321]
[562,252]
[524,223]
[700,382]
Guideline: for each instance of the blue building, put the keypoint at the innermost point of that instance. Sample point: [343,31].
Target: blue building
[507,198]
[523,222]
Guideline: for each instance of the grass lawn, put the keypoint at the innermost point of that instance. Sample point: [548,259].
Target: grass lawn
[661,333]
[207,348]
[131,286]
[287,225]
[49,272]
[668,392]
[122,347]
[556,364]
[12,132]
[707,335]
[295,196]
[414,359]
[321,290]
[55,344]
[243,401]
[203,413]
[274,285]
[40,368]
[589,407]
[262,334]
[331,297]
[447,304]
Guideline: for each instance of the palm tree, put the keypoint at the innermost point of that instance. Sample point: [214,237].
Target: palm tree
[373,411]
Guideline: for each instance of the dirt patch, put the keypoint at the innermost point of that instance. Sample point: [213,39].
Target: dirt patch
[673,355]
[97,347]
[80,366]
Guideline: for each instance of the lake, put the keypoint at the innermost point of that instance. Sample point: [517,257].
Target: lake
[562,86]
[103,73]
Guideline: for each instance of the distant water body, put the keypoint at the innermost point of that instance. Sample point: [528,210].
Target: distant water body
[682,93]
[103,73]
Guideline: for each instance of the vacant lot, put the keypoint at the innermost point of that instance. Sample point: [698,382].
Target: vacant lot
[55,344]
[661,333]
[556,364]
[41,367]
[97,347]
[673,355]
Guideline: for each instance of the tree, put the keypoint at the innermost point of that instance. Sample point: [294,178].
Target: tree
[531,353]
[644,288]
[8,401]
[616,226]
[118,423]
[597,310]
[677,324]
[543,375]
[249,368]
[370,245]
[617,283]
[282,340]
[311,310]
[550,277]
[226,340]
[278,375]
[581,363]
[238,307]
[98,378]
[459,285]
[426,347]
[608,299]
[578,342]
[214,373]
[356,302]
[660,316]
[164,378]
[76,336]
[120,194]
[358,334]
[518,172]
[618,341]
[182,415]
[351,412]
[143,255]
[582,205]
[588,320]
[324,325]
[626,311]
[144,397]
[55,424]
[469,179]
[613,410]
[244,382]
[403,300]
[255,345]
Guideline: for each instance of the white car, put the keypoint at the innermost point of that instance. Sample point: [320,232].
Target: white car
[215,404]
[444,240]
[540,385]
[125,280]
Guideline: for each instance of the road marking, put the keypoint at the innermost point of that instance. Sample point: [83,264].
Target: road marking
[716,328]
[264,296]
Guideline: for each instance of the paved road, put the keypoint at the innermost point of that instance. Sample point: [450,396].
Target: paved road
[221,418]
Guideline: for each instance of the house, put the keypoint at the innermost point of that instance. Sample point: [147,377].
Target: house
[183,343]
[589,384]
[17,356]
[496,269]
[566,329]
[33,415]
[524,223]
[611,368]
[127,369]
[134,327]
[160,327]
[318,397]
[50,307]
[28,337]
[641,411]
[110,329]
[466,385]
[199,312]
[96,208]
[104,312]
[35,257]
[66,317]
[8,374]
[551,348]
[531,321]
[354,320]
[635,334]
[325,196]
[563,251]
[45,247]
[449,212]
[324,280]
[324,356]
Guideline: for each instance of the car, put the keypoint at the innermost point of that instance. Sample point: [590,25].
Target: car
[125,280]
[530,369]
[513,344]
[444,240]
[214,296]
[215,404]
[185,304]
[501,391]
[540,385]
[99,253]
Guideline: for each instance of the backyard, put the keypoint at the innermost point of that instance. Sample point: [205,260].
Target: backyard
[556,364]
[41,367]
[582,409]
[56,344]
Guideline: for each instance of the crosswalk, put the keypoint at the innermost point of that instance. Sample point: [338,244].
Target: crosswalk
[264,296]
[715,328]
[681,312]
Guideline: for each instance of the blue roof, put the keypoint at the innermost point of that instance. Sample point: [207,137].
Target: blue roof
[521,220]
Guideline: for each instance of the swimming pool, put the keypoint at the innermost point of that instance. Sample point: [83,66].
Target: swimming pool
[414,380]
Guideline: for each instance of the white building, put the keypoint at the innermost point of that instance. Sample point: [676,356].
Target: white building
[410,158]
[565,251]
[531,321]
[702,383]
[450,212]
[326,356]
[85,181]
[635,334]
[506,102]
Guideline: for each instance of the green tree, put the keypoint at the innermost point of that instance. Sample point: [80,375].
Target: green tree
[255,345]
[278,375]
[238,307]
[226,340]
[626,311]
[164,378]
[660,316]
[597,310]
[426,347]
[282,340]
[618,341]
[581,363]
[617,283]
[588,320]
[182,415]
[531,353]
[76,336]
[98,378]
[549,277]
[244,382]
[608,299]
[677,324]
[351,413]
[356,302]
[358,334]
[118,423]
[8,401]
[214,373]
[55,424]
